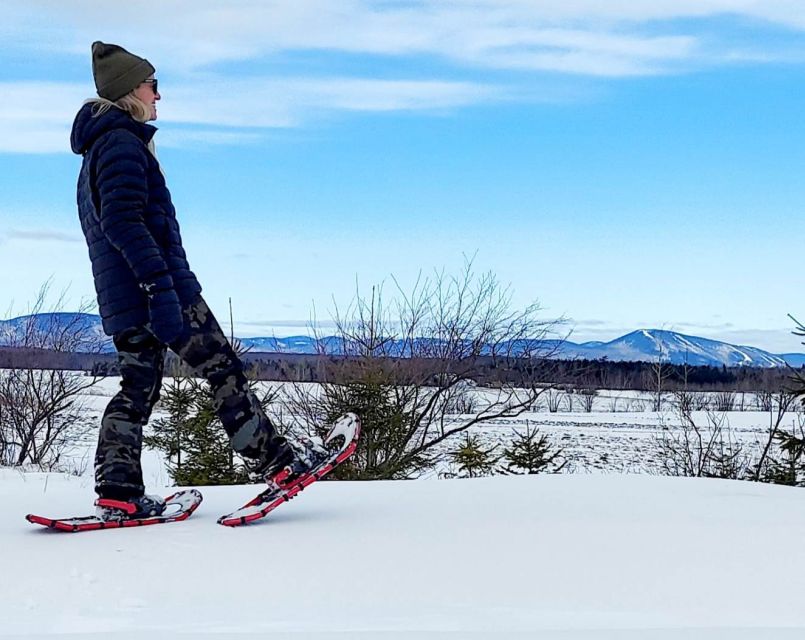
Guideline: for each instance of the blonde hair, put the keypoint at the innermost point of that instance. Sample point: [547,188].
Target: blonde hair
[129,103]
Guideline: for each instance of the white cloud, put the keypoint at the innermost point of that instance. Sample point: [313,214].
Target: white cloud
[785,12]
[287,102]
[37,122]
[40,235]
[39,118]
[182,138]
[468,38]
[575,36]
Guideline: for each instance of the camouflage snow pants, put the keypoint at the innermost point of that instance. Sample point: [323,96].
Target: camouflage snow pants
[204,347]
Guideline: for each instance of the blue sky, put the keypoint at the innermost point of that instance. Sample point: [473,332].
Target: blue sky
[632,165]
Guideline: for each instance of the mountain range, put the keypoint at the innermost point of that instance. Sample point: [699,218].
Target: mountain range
[639,345]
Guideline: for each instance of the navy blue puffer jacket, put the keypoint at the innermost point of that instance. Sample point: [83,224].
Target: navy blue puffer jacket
[129,223]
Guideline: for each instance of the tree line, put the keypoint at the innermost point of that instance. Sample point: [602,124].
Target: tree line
[486,370]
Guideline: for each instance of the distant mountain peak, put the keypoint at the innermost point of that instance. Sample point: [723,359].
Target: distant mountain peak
[639,345]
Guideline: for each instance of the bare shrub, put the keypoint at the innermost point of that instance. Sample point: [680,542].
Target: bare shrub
[684,401]
[587,398]
[637,405]
[724,401]
[553,400]
[775,462]
[656,379]
[764,400]
[42,412]
[401,367]
[462,400]
[706,448]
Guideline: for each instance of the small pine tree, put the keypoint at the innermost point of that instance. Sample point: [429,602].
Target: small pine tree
[472,459]
[384,449]
[791,469]
[192,438]
[530,453]
[170,434]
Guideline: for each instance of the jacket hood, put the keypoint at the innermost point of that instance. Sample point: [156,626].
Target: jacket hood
[87,129]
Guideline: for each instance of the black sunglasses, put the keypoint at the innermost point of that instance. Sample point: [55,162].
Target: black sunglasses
[153,84]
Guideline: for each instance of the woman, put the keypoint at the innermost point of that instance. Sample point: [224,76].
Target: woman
[148,297]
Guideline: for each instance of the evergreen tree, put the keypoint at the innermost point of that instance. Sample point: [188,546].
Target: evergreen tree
[192,438]
[386,427]
[169,434]
[531,452]
[791,469]
[472,459]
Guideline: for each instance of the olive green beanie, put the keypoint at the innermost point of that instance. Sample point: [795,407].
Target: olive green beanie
[116,71]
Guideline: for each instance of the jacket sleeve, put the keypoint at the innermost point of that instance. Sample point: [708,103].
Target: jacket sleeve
[122,188]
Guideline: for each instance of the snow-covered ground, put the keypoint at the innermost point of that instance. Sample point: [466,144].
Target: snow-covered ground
[563,556]
[572,556]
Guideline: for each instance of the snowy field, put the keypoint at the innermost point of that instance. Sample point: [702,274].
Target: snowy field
[584,555]
[619,435]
